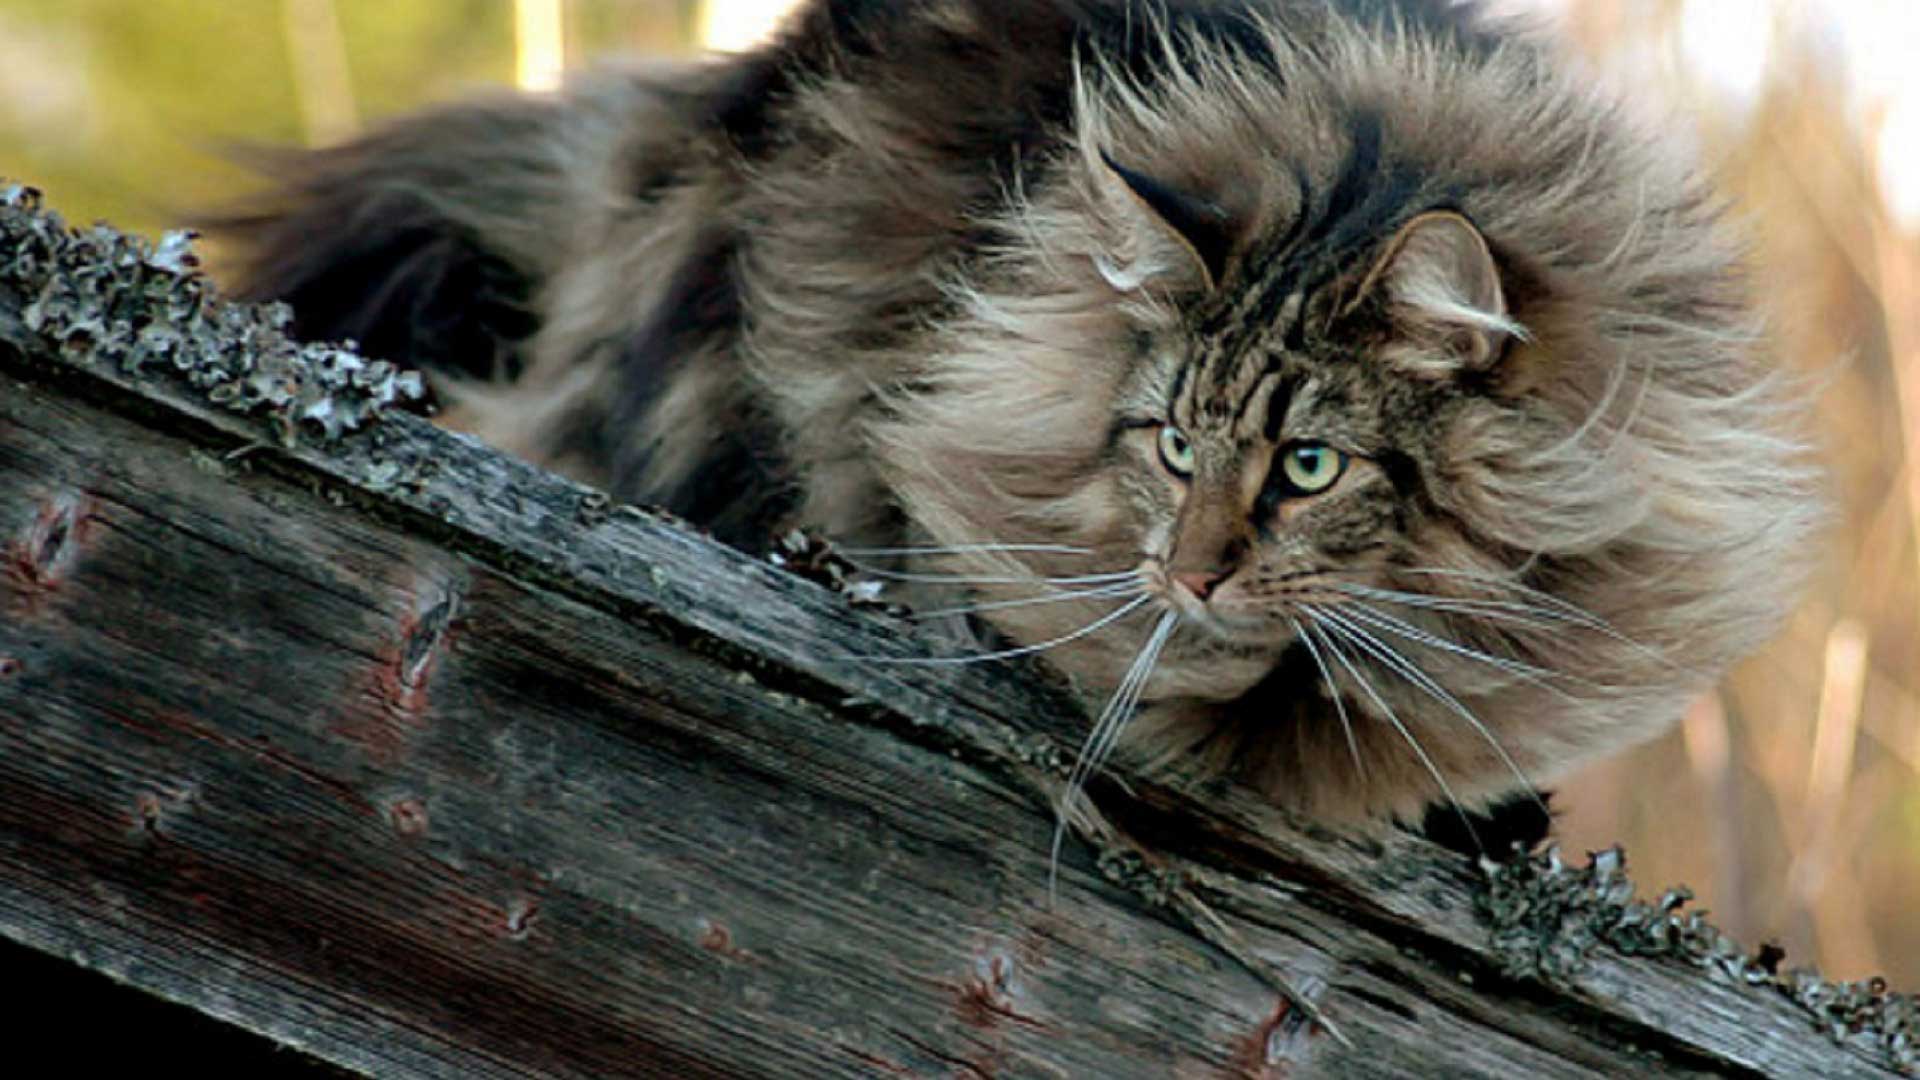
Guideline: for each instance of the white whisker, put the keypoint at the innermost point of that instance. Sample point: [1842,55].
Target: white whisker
[1381,620]
[1099,750]
[1527,673]
[1410,671]
[1106,732]
[1005,654]
[1508,584]
[1573,611]
[1507,610]
[1330,633]
[1333,691]
[962,579]
[1103,592]
[960,549]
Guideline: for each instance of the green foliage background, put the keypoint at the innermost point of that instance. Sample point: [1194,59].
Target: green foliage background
[121,109]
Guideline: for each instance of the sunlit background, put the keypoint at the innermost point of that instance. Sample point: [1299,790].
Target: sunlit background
[1789,800]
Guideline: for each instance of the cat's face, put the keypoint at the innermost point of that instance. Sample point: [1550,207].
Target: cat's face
[1254,481]
[1273,463]
[1266,470]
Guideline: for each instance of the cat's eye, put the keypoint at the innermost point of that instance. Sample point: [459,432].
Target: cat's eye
[1310,468]
[1176,451]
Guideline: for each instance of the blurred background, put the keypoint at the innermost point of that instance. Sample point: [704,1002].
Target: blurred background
[1790,798]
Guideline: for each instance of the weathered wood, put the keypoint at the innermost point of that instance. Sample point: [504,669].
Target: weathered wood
[410,755]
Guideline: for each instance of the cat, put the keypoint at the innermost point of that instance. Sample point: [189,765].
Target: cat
[1348,397]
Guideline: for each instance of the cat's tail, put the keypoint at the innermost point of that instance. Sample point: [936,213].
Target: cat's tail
[424,242]
[554,263]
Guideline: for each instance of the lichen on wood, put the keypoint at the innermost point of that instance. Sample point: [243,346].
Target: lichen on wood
[1548,918]
[103,296]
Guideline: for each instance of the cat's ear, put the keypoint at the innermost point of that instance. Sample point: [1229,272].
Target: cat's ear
[1177,232]
[1441,288]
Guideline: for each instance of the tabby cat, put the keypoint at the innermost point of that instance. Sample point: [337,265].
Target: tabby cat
[1346,395]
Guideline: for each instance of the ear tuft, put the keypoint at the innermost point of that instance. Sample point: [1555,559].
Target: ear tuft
[1442,289]
[1201,229]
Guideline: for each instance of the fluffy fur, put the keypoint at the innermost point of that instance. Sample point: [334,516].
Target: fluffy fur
[1109,276]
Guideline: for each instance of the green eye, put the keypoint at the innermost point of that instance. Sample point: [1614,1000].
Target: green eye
[1311,468]
[1176,451]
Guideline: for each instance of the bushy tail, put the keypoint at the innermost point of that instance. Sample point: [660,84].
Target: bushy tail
[425,242]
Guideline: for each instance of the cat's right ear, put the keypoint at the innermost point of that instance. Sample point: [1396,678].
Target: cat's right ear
[1173,234]
[1441,288]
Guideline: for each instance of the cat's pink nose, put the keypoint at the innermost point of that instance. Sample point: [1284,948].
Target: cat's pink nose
[1199,582]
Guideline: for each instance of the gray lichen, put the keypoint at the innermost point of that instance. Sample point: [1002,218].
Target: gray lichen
[813,558]
[1129,869]
[101,296]
[1548,918]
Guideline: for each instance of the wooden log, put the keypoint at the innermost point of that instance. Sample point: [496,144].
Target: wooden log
[357,734]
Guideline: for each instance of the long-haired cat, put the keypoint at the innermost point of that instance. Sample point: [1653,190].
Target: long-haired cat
[1347,398]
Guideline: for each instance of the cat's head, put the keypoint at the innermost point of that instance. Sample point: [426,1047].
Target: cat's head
[1432,416]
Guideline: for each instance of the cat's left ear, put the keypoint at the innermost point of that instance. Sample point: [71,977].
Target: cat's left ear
[1441,288]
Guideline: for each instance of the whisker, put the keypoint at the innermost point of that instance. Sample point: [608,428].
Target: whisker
[1509,610]
[1106,731]
[1381,620]
[1005,654]
[1102,749]
[1333,691]
[960,549]
[962,579]
[1101,593]
[1506,583]
[1522,671]
[1106,727]
[1410,671]
[1330,633]
[1114,714]
[1573,610]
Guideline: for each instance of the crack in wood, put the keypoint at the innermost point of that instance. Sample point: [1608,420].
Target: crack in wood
[39,558]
